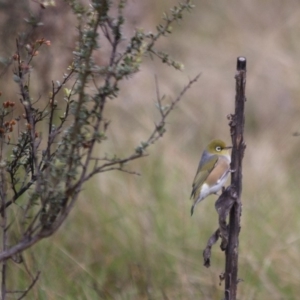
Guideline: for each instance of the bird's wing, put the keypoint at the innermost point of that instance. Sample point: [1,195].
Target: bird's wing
[203,174]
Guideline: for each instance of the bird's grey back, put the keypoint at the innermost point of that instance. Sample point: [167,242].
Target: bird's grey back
[204,158]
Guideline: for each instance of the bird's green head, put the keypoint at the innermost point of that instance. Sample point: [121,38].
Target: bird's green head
[218,147]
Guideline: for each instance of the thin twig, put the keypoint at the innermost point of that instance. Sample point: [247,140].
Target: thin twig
[4,233]
[30,286]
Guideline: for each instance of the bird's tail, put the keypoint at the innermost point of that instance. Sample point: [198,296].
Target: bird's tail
[195,203]
[192,209]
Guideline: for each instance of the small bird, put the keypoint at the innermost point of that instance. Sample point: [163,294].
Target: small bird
[213,171]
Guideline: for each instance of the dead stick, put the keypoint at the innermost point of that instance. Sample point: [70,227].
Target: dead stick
[237,131]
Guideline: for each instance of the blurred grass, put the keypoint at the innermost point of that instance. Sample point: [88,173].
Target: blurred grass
[131,237]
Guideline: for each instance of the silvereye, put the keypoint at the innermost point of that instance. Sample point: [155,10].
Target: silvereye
[213,170]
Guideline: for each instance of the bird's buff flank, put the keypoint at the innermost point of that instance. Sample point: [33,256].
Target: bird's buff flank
[213,171]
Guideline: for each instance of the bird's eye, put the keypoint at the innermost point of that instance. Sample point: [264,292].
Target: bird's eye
[218,148]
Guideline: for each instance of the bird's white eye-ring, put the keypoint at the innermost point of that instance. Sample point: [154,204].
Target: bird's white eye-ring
[218,148]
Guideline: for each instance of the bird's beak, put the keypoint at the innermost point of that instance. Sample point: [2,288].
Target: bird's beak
[228,147]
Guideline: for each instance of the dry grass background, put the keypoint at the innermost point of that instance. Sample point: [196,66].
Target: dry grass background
[131,237]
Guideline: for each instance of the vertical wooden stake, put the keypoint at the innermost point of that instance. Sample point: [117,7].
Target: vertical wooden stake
[236,124]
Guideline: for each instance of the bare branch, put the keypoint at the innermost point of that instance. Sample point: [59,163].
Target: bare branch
[237,133]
